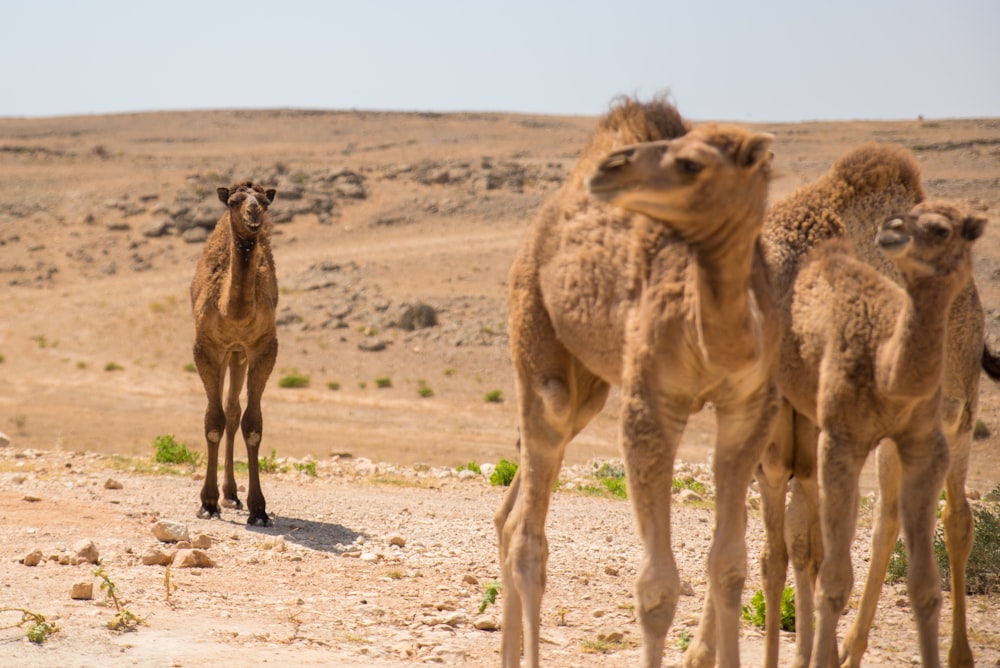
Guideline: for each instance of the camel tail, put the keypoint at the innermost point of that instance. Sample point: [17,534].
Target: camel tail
[991,364]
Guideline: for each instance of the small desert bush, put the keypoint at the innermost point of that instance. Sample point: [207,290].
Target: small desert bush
[294,380]
[503,474]
[980,431]
[383,383]
[423,390]
[333,385]
[168,451]
[113,366]
[982,573]
[494,396]
[471,466]
[190,367]
[756,611]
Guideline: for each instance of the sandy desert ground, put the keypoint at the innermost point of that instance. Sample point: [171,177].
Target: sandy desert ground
[101,223]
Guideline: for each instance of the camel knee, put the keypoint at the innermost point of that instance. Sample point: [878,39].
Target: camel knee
[657,591]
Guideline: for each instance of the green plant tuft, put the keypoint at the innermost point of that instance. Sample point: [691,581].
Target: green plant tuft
[756,611]
[383,383]
[169,451]
[503,474]
[490,595]
[294,380]
[494,396]
[980,431]
[113,366]
[333,385]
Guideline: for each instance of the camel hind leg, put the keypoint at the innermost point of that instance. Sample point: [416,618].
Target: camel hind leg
[555,403]
[959,534]
[237,374]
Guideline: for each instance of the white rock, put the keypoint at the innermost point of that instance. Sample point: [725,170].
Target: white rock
[193,559]
[170,532]
[486,624]
[154,556]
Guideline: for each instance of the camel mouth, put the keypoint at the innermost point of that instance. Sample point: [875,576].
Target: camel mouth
[892,242]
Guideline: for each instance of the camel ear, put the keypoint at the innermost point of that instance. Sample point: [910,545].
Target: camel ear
[270,192]
[223,195]
[756,150]
[972,227]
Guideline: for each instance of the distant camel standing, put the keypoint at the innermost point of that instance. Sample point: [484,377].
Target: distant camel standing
[662,302]
[234,295]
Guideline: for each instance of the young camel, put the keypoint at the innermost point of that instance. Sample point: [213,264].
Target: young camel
[234,295]
[850,338]
[866,185]
[663,302]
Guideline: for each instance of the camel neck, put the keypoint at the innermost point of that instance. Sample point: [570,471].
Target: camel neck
[915,351]
[726,319]
[239,294]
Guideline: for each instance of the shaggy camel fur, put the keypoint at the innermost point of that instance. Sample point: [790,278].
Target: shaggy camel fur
[849,340]
[866,185]
[664,304]
[234,295]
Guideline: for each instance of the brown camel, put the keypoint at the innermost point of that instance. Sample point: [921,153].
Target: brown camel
[661,301]
[850,337]
[234,295]
[864,186]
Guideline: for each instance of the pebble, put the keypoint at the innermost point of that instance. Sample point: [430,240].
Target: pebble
[33,558]
[170,532]
[4,440]
[397,540]
[87,551]
[486,624]
[110,483]
[82,591]
[154,556]
[193,558]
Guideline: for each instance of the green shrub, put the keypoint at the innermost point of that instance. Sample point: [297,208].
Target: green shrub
[471,466]
[423,390]
[980,431]
[190,367]
[756,612]
[383,383]
[494,396]
[113,366]
[503,474]
[294,380]
[333,385]
[490,595]
[169,451]
[309,468]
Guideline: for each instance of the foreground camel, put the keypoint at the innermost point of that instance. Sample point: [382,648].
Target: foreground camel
[849,344]
[234,295]
[864,186]
[663,302]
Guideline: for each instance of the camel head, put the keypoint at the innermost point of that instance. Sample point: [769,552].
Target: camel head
[247,204]
[694,183]
[933,239]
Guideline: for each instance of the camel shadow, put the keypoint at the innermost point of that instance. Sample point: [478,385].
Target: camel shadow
[321,536]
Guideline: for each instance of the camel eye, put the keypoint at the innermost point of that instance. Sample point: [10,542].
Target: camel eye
[689,167]
[939,231]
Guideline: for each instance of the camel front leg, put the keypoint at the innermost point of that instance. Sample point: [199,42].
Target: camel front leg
[253,428]
[650,436]
[744,430]
[840,462]
[211,368]
[237,374]
[884,535]
[925,464]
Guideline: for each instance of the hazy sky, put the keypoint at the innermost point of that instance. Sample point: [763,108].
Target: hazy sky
[782,60]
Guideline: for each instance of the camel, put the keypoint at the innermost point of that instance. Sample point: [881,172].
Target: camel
[847,364]
[864,186]
[660,299]
[234,295]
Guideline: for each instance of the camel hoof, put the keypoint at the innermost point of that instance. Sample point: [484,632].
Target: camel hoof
[207,512]
[259,521]
[232,503]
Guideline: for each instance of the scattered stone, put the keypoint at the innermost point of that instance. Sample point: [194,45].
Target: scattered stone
[397,540]
[373,345]
[687,589]
[170,532]
[486,624]
[418,316]
[110,483]
[689,496]
[369,557]
[611,636]
[87,551]
[82,591]
[610,570]
[155,556]
[471,579]
[157,229]
[33,558]
[202,541]
[4,440]
[456,619]
[598,613]
[193,558]
[32,499]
